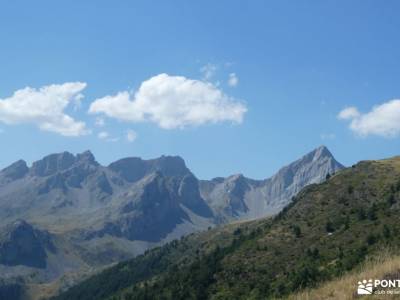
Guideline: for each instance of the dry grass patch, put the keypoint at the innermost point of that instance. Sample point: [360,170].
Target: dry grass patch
[386,266]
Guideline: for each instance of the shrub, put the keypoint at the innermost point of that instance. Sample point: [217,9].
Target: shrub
[296,231]
[371,239]
[237,231]
[391,200]
[372,213]
[350,189]
[361,214]
[329,227]
[386,231]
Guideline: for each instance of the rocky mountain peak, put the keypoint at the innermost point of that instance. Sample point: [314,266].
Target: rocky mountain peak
[318,156]
[15,171]
[133,169]
[236,177]
[321,152]
[53,163]
[169,165]
[86,157]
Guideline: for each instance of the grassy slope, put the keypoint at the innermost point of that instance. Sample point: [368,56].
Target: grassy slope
[385,265]
[328,230]
[155,261]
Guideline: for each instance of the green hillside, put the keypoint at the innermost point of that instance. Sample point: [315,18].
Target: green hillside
[328,230]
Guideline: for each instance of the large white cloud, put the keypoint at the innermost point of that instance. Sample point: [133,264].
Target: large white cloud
[382,120]
[44,108]
[172,102]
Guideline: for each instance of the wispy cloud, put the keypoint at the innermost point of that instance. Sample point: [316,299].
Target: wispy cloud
[99,122]
[383,120]
[172,102]
[103,135]
[131,135]
[44,108]
[208,71]
[349,113]
[233,80]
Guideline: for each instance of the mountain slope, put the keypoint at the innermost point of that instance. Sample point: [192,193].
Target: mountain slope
[238,197]
[328,230]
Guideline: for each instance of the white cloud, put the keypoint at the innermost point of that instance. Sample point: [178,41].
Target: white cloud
[233,80]
[382,120]
[349,113]
[44,108]
[131,135]
[103,135]
[172,102]
[208,71]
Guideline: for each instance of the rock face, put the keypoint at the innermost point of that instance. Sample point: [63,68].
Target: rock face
[133,169]
[16,171]
[21,244]
[238,197]
[67,213]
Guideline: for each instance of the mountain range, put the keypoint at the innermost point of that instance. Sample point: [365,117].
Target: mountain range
[331,236]
[67,214]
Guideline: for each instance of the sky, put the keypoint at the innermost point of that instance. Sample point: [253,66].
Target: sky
[231,86]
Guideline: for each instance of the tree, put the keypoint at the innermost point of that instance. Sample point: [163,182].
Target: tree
[371,239]
[372,213]
[391,200]
[347,223]
[296,231]
[237,231]
[386,231]
[350,189]
[329,227]
[361,214]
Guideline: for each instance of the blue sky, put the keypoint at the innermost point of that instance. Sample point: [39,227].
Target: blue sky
[298,65]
